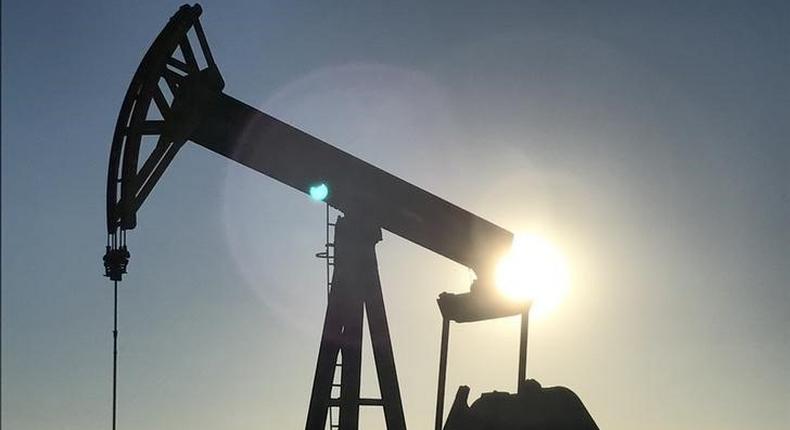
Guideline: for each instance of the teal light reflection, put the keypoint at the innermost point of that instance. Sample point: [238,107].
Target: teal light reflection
[319,192]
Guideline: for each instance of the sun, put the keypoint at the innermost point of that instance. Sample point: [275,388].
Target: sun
[536,271]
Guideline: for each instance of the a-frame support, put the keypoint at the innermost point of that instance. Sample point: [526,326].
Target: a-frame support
[355,291]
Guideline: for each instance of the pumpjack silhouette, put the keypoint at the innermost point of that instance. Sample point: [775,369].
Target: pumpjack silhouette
[176,97]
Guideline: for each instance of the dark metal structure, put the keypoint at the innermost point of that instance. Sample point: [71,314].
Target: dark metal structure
[176,96]
[533,408]
[467,308]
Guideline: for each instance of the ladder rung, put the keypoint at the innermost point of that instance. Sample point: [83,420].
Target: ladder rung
[362,402]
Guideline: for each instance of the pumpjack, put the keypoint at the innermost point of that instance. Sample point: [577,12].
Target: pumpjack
[176,97]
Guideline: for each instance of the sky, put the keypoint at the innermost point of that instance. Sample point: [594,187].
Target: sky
[646,140]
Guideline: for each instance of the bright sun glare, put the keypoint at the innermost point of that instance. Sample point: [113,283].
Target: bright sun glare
[534,270]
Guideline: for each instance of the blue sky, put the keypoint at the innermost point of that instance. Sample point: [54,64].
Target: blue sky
[649,141]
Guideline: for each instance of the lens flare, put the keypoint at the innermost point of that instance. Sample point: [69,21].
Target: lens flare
[319,192]
[535,271]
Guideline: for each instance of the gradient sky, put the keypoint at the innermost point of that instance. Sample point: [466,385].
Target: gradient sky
[649,141]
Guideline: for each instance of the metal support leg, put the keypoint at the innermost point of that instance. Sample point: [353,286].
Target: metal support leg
[351,376]
[331,342]
[522,353]
[384,356]
[356,288]
[442,374]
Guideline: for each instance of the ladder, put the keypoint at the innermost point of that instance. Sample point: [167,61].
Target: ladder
[329,257]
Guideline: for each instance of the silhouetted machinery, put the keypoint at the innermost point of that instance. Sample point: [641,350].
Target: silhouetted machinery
[176,96]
